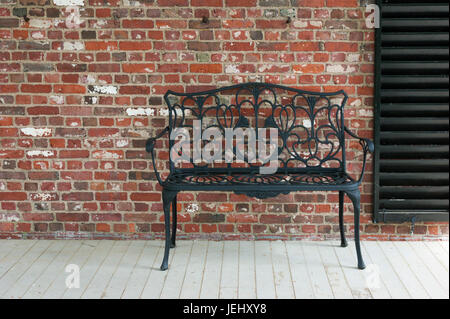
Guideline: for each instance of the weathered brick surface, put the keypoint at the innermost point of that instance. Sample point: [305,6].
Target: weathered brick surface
[81,89]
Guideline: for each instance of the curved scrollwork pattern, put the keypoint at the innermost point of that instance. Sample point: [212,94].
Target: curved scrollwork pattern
[309,124]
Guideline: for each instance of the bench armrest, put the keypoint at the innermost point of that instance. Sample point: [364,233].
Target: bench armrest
[150,148]
[367,146]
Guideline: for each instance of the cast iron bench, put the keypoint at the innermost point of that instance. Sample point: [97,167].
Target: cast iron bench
[310,151]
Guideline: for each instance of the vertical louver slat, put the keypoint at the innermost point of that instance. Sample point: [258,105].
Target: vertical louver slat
[411,112]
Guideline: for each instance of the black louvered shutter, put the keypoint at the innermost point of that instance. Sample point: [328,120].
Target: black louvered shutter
[411,111]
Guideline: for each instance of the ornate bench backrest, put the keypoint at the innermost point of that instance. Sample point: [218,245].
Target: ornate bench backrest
[309,125]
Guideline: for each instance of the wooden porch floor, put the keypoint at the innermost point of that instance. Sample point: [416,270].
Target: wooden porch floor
[229,269]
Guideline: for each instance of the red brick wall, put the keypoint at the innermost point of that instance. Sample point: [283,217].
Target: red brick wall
[78,102]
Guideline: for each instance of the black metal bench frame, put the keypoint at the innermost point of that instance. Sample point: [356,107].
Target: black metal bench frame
[244,180]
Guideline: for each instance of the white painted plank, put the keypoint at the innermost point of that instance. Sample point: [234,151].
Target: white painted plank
[210,287]
[194,272]
[247,279]
[90,267]
[230,270]
[177,270]
[17,251]
[439,252]
[57,266]
[119,280]
[414,287]
[281,270]
[336,278]
[421,271]
[265,284]
[388,274]
[145,265]
[316,271]
[155,281]
[21,265]
[356,278]
[58,287]
[375,281]
[436,268]
[98,284]
[300,278]
[8,245]
[444,244]
[24,282]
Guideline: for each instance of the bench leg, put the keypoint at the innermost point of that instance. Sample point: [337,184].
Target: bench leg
[168,197]
[355,196]
[341,219]
[174,222]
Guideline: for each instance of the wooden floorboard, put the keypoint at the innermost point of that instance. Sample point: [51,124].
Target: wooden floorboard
[300,278]
[247,278]
[281,271]
[224,269]
[177,270]
[265,282]
[194,273]
[57,265]
[335,274]
[230,270]
[36,269]
[144,267]
[212,274]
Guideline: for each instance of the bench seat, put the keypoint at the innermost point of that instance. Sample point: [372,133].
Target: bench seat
[253,181]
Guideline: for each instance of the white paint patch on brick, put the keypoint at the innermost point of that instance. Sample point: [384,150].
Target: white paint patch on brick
[7,217]
[337,100]
[31,131]
[57,99]
[2,185]
[100,23]
[37,35]
[58,165]
[73,46]
[58,22]
[300,24]
[231,68]
[353,57]
[41,197]
[66,3]
[103,89]
[140,111]
[114,186]
[87,79]
[192,208]
[317,24]
[94,100]
[105,154]
[163,112]
[40,23]
[339,68]
[36,153]
[131,3]
[307,123]
[108,166]
[356,102]
[365,113]
[122,143]
[264,68]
